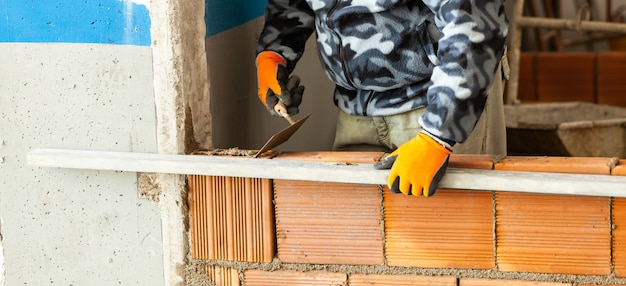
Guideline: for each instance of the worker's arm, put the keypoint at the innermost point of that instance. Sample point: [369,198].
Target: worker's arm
[472,41]
[288,25]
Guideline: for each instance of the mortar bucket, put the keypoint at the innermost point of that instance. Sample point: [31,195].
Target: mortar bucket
[575,129]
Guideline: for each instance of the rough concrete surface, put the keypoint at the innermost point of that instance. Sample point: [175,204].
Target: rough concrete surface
[75,226]
[181,93]
[2,271]
[148,186]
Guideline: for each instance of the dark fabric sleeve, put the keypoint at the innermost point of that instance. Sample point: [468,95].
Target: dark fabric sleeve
[472,42]
[288,25]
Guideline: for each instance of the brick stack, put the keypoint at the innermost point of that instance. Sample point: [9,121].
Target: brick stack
[586,77]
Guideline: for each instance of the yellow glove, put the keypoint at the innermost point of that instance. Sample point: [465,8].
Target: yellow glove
[275,84]
[417,166]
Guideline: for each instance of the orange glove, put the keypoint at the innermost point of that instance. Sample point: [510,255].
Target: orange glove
[417,166]
[275,84]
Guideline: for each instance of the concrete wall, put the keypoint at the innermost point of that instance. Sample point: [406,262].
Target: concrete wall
[78,227]
[76,75]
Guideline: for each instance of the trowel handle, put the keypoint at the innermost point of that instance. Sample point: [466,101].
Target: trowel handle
[281,109]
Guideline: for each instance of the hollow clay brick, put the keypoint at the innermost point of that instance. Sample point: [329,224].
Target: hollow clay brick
[456,160]
[400,280]
[294,278]
[231,218]
[527,90]
[565,77]
[611,78]
[553,234]
[328,223]
[496,282]
[576,165]
[340,157]
[471,161]
[600,284]
[360,241]
[223,276]
[619,236]
[453,229]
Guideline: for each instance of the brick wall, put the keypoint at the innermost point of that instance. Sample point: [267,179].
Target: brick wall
[277,232]
[587,77]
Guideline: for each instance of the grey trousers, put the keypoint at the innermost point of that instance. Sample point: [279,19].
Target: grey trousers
[386,133]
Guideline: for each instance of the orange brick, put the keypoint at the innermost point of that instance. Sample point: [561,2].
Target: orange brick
[340,157]
[328,223]
[453,229]
[600,284]
[553,234]
[456,160]
[231,218]
[611,78]
[223,276]
[294,278]
[565,77]
[471,161]
[400,280]
[576,165]
[620,169]
[619,236]
[527,83]
[492,282]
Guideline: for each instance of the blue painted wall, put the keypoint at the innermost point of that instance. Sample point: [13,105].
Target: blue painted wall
[221,15]
[75,21]
[121,22]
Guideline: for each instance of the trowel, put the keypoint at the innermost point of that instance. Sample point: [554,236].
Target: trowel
[285,134]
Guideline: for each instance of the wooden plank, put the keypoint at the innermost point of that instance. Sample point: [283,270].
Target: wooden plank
[455,178]
[515,39]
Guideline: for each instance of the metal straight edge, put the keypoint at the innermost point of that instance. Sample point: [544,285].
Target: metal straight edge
[455,178]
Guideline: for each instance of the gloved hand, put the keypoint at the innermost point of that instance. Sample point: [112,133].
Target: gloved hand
[275,84]
[417,166]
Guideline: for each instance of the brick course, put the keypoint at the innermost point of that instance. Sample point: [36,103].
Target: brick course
[350,234]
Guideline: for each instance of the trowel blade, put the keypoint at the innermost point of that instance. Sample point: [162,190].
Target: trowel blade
[282,136]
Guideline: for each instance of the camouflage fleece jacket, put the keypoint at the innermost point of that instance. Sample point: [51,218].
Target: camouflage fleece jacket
[392,56]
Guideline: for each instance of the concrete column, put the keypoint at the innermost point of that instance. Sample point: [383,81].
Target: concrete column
[2,270]
[181,91]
